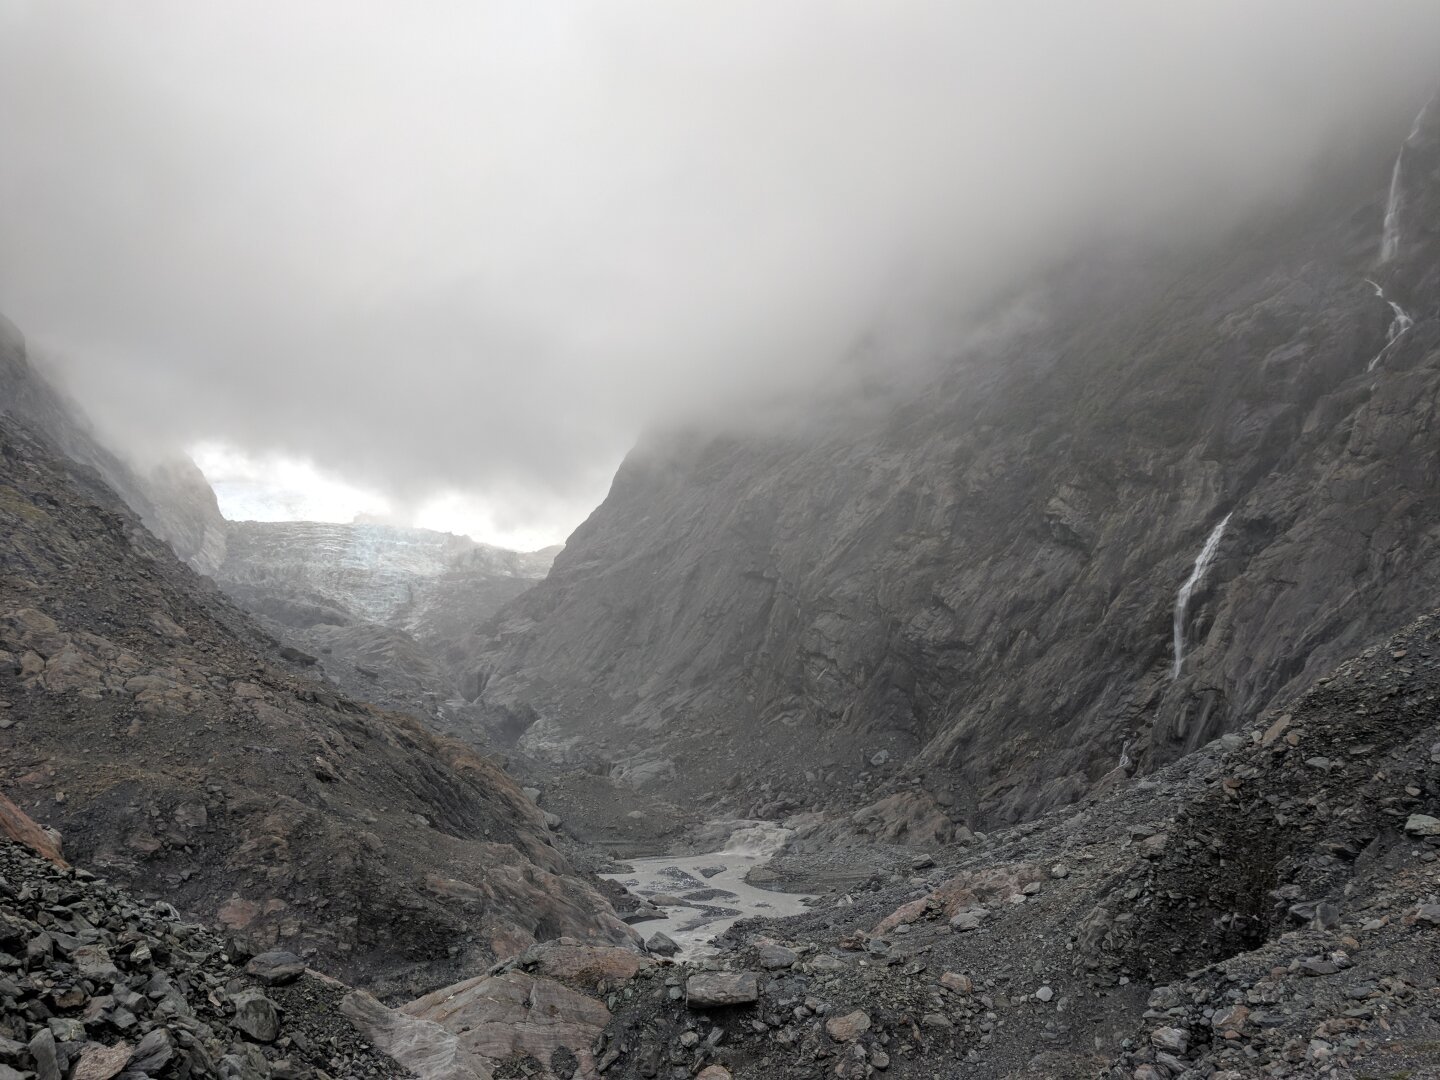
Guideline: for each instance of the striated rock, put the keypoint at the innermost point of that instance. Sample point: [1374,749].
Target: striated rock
[277,968]
[19,826]
[426,1049]
[99,1062]
[578,963]
[492,1019]
[961,984]
[716,989]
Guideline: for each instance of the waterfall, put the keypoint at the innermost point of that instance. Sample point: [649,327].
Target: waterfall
[1400,323]
[1390,234]
[1182,598]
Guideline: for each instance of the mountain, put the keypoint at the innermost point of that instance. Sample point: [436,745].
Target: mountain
[973,585]
[175,749]
[171,497]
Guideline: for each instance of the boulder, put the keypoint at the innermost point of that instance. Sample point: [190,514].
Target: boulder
[98,1062]
[256,1016]
[662,944]
[716,989]
[276,968]
[849,1027]
[572,961]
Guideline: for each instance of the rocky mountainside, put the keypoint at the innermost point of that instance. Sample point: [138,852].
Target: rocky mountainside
[149,721]
[1267,907]
[975,585]
[172,497]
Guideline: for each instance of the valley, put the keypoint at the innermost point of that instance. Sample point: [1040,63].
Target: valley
[1067,708]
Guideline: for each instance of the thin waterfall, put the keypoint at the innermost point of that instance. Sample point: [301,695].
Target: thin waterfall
[1182,598]
[1390,233]
[1400,323]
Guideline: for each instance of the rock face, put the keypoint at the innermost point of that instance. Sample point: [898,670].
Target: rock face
[171,497]
[151,722]
[976,582]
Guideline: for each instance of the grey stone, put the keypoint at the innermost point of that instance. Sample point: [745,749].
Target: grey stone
[714,989]
[43,1053]
[277,968]
[773,957]
[256,1016]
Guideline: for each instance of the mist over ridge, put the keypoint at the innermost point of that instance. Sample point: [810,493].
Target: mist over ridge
[481,248]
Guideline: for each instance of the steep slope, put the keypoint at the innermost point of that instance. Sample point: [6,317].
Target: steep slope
[172,497]
[978,583]
[150,722]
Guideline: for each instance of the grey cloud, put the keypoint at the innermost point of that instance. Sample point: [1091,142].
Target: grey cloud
[482,246]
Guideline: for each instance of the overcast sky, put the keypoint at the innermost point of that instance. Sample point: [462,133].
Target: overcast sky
[452,259]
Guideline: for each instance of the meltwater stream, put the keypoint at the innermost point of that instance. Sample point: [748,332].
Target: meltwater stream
[1182,598]
[711,888]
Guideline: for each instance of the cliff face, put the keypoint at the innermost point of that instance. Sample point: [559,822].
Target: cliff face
[978,581]
[172,498]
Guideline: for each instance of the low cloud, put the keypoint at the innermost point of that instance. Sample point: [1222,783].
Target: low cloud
[471,251]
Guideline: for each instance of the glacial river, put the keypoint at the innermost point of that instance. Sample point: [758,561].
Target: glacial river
[711,888]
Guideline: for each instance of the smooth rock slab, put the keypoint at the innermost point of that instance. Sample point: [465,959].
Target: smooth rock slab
[276,968]
[716,989]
